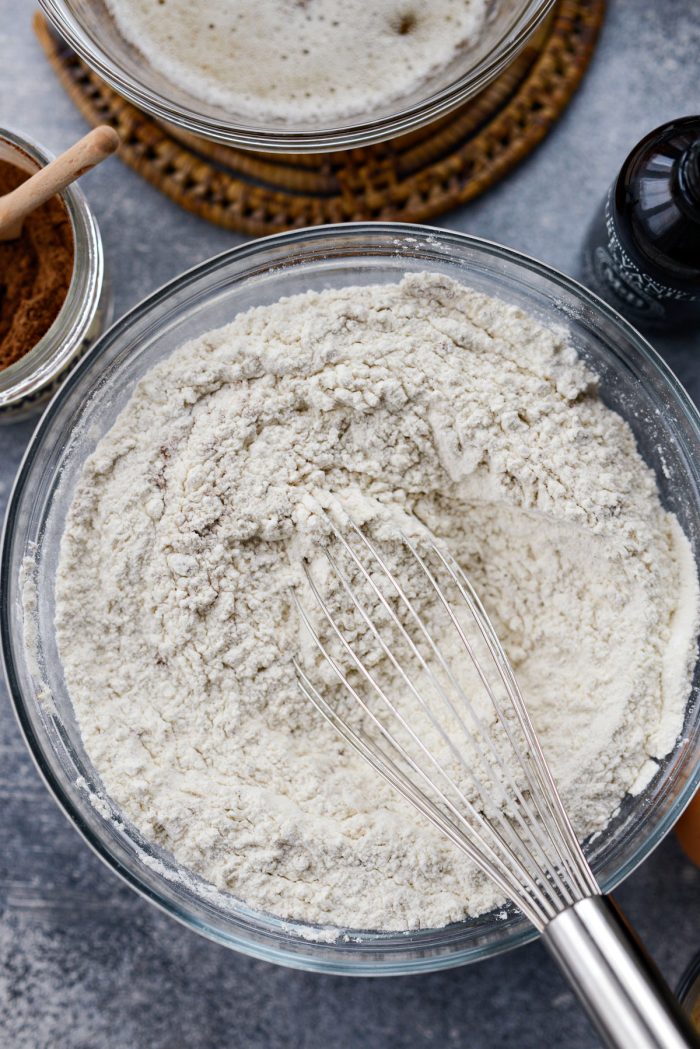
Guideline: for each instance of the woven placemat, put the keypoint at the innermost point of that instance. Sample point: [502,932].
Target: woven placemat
[409,179]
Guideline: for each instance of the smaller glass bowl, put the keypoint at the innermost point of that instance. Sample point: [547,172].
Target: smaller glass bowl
[28,383]
[91,31]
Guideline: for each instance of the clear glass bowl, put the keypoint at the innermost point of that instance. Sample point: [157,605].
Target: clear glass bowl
[634,381]
[89,28]
[27,384]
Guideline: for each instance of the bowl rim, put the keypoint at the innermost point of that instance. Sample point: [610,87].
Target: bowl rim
[322,139]
[309,962]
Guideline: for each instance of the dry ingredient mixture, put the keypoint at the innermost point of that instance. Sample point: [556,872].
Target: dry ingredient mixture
[300,60]
[421,400]
[35,272]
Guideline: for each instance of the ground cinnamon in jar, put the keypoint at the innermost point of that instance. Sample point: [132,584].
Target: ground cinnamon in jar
[35,272]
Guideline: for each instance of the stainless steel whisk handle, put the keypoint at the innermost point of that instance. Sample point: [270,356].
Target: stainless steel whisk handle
[521,838]
[623,992]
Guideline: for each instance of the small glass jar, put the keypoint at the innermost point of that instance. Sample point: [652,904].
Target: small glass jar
[28,383]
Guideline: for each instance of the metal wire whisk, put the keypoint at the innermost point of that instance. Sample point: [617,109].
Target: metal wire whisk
[436,710]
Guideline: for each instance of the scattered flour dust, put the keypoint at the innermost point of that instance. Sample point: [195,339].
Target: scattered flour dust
[190,523]
[301,60]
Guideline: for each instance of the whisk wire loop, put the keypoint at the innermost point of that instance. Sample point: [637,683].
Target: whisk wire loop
[485,828]
[499,766]
[531,827]
[481,737]
[519,835]
[570,848]
[388,769]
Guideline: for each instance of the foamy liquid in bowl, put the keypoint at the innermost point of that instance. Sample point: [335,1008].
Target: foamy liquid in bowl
[300,60]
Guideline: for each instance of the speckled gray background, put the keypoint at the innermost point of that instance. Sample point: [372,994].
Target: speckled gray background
[84,962]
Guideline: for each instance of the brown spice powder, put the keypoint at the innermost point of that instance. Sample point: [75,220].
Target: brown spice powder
[35,272]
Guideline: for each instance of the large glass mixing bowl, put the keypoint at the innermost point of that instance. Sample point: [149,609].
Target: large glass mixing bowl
[89,28]
[633,380]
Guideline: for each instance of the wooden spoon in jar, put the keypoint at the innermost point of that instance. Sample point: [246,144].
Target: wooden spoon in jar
[35,191]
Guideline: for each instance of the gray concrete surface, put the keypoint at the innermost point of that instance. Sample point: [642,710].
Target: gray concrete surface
[85,963]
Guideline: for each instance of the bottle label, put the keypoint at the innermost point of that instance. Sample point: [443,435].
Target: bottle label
[638,294]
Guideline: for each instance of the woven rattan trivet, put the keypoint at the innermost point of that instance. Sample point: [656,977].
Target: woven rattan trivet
[409,179]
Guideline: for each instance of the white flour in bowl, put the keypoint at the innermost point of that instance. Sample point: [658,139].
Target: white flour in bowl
[300,60]
[190,522]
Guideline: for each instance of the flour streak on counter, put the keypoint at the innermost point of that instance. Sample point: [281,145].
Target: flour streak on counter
[421,400]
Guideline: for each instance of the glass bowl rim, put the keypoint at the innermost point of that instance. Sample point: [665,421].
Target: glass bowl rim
[247,135]
[385,941]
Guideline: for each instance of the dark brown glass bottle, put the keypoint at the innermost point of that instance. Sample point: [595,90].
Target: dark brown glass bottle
[642,253]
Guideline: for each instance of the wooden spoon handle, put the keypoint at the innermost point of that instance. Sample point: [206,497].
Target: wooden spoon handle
[84,155]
